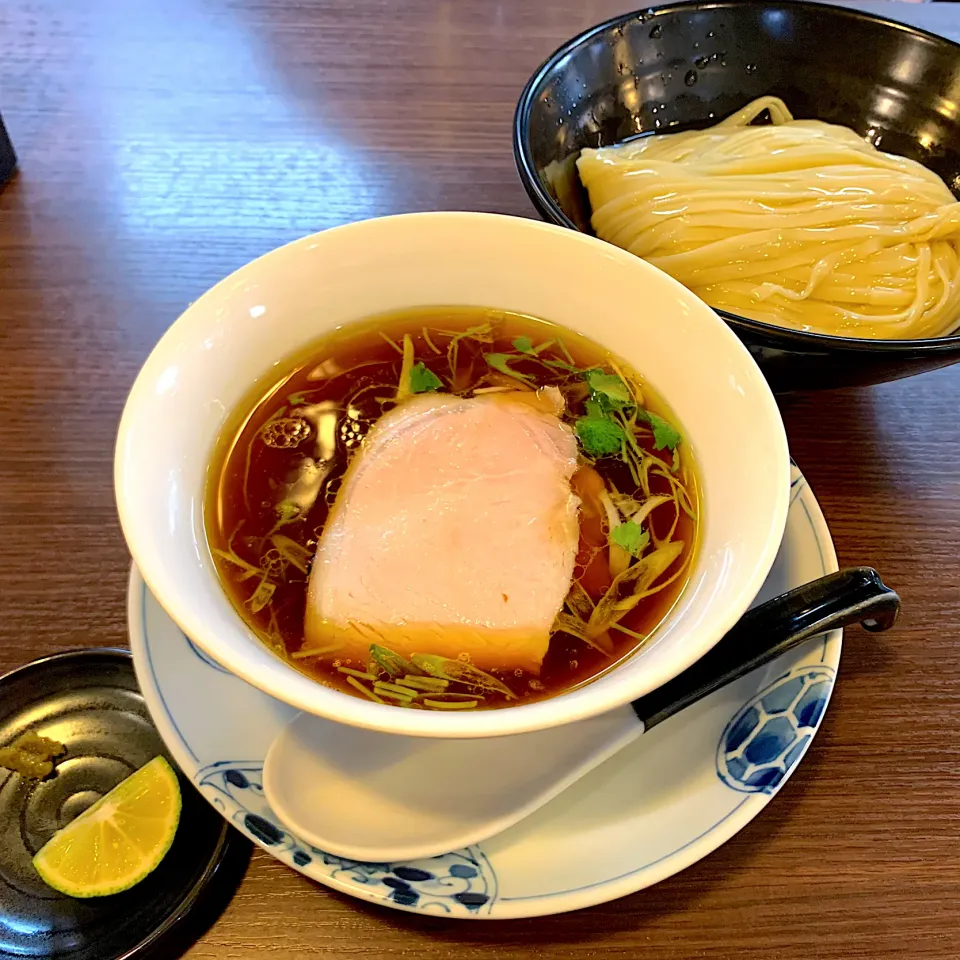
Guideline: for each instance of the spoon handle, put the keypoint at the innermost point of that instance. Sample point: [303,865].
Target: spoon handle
[855,595]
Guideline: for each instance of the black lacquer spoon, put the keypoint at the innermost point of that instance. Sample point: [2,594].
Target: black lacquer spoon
[375,797]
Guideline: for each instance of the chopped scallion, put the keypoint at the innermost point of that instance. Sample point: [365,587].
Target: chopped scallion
[382,686]
[354,682]
[433,684]
[350,672]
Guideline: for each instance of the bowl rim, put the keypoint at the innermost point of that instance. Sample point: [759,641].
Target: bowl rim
[548,208]
[375,716]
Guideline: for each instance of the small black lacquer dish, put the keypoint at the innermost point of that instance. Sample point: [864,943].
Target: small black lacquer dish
[89,702]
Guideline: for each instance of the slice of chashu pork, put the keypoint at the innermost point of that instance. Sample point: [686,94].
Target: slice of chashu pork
[454,532]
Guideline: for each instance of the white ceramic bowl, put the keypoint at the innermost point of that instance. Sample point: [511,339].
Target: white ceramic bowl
[240,331]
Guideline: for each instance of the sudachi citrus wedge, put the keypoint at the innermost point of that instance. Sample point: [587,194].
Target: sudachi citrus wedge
[119,840]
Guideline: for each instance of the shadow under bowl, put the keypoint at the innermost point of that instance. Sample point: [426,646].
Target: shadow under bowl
[689,65]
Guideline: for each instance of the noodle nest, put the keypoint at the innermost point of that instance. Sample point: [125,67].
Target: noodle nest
[798,223]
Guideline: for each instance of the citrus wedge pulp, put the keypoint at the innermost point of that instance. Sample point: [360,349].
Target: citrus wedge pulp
[119,840]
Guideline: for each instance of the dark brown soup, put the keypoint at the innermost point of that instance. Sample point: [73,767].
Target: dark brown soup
[280,464]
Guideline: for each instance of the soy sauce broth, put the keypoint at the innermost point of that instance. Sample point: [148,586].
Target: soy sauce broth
[319,409]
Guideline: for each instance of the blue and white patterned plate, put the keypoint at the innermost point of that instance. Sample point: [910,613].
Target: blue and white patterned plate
[660,805]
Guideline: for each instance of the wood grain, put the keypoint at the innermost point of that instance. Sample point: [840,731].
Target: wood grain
[162,145]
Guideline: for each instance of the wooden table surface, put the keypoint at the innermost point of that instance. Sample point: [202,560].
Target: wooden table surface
[163,143]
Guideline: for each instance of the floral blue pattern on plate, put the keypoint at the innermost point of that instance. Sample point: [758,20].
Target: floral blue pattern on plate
[669,799]
[461,881]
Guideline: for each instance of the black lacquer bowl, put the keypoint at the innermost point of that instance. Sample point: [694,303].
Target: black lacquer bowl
[686,65]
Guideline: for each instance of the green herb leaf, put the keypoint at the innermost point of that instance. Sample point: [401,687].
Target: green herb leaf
[299,397]
[423,380]
[501,362]
[599,435]
[608,388]
[664,433]
[631,537]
